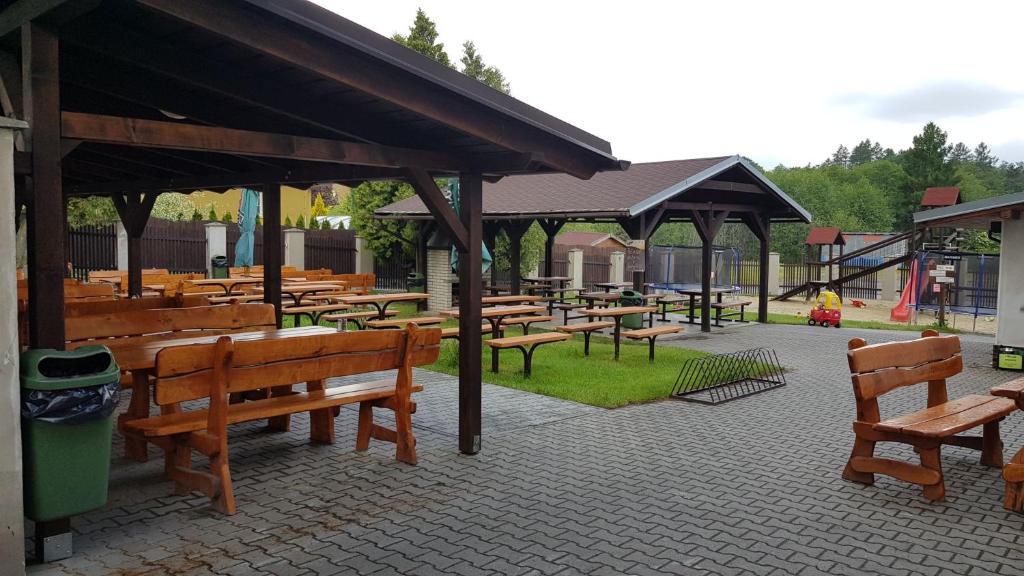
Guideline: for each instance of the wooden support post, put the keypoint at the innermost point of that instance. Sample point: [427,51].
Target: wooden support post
[760,224]
[551,228]
[708,223]
[134,210]
[516,229]
[272,246]
[45,201]
[491,230]
[470,262]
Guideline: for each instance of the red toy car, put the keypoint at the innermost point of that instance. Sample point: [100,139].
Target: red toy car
[827,311]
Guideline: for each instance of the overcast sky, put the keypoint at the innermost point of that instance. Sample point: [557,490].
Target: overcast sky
[780,82]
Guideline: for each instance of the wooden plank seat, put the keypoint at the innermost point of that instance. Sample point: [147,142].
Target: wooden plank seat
[453,331]
[586,328]
[651,334]
[216,371]
[1013,472]
[567,307]
[525,321]
[882,368]
[721,307]
[403,322]
[672,303]
[358,316]
[314,312]
[523,342]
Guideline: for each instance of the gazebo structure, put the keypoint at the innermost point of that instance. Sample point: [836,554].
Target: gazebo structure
[706,191]
[129,99]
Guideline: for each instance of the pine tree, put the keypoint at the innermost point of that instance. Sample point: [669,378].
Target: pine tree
[227,217]
[301,222]
[197,215]
[288,221]
[841,157]
[325,225]
[960,153]
[926,163]
[474,67]
[212,216]
[319,207]
[983,156]
[862,153]
[422,38]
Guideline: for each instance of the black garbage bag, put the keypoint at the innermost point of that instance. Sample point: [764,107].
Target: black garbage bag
[71,406]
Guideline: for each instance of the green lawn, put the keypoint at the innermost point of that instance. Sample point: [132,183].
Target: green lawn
[774,318]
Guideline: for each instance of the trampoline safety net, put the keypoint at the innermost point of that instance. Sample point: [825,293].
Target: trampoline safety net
[681,265]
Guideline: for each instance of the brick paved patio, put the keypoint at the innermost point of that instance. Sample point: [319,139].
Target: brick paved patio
[749,487]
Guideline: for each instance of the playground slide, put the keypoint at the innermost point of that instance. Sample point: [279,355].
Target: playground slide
[901,311]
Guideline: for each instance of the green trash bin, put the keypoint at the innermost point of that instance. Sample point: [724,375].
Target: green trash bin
[632,298]
[219,266]
[414,282]
[67,406]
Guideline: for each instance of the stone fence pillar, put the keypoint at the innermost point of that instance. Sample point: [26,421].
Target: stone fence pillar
[774,273]
[295,248]
[364,257]
[617,270]
[576,268]
[889,280]
[122,248]
[439,279]
[216,244]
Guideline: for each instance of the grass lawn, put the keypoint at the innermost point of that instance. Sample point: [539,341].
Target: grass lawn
[774,318]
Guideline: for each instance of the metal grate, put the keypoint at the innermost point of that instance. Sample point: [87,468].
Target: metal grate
[723,377]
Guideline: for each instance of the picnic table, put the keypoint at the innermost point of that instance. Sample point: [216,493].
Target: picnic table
[382,301]
[609,286]
[495,315]
[300,290]
[693,293]
[510,299]
[616,315]
[607,298]
[226,284]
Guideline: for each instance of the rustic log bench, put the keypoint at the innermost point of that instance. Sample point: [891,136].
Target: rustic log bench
[720,307]
[587,329]
[651,334]
[215,371]
[1013,472]
[525,322]
[522,342]
[403,322]
[881,368]
[358,317]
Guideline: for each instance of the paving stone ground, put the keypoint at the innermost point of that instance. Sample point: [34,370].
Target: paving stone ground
[748,487]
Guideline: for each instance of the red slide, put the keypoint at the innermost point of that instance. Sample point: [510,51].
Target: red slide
[901,311]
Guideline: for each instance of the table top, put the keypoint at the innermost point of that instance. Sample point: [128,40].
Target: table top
[620,311]
[511,298]
[143,356]
[608,296]
[383,298]
[613,284]
[699,291]
[223,281]
[547,279]
[304,288]
[497,311]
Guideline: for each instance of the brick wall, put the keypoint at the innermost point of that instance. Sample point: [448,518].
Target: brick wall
[439,279]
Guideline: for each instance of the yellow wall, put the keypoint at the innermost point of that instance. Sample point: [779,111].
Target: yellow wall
[294,202]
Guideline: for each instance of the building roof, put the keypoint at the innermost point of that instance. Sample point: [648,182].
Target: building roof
[976,214]
[625,194]
[825,236]
[585,238]
[940,196]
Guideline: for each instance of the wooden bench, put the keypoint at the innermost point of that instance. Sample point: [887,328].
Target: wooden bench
[567,307]
[1013,472]
[89,308]
[358,283]
[719,307]
[453,332]
[358,316]
[403,322]
[671,303]
[525,321]
[651,334]
[215,371]
[236,299]
[587,328]
[314,312]
[531,340]
[881,368]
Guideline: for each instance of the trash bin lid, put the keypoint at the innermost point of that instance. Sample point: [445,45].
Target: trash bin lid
[49,369]
[629,294]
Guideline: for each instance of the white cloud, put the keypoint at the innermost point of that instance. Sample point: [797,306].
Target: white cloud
[664,80]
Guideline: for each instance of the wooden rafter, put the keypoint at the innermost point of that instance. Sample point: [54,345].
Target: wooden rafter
[424,185]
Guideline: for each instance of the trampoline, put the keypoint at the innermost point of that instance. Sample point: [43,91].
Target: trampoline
[973,293]
[678,268]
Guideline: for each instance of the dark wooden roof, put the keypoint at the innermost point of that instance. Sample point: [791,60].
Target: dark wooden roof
[284,67]
[626,194]
[976,214]
[825,236]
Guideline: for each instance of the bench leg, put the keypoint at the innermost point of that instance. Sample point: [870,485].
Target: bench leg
[1013,498]
[405,450]
[321,422]
[527,359]
[135,447]
[650,352]
[224,499]
[864,449]
[365,429]
[586,343]
[280,423]
[526,328]
[991,446]
[931,458]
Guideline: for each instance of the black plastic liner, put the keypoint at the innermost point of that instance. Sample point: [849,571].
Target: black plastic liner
[71,406]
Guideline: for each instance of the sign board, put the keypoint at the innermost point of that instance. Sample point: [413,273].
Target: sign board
[945,267]
[944,279]
[940,273]
[936,288]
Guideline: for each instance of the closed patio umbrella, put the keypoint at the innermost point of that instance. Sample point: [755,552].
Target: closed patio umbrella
[453,188]
[248,210]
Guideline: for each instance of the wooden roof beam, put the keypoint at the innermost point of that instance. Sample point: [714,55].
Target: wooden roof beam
[176,135]
[726,186]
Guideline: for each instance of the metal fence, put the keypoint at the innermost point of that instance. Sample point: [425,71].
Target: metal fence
[791,276]
[391,272]
[180,247]
[750,271]
[333,249]
[92,248]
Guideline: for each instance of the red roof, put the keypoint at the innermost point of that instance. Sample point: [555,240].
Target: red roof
[825,237]
[940,196]
[584,238]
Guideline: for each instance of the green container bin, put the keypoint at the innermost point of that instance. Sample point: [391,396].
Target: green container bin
[415,282]
[68,399]
[632,298]
[219,267]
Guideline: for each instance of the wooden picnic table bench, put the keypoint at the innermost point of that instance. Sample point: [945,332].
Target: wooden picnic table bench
[510,299]
[452,332]
[216,371]
[880,368]
[314,311]
[651,334]
[525,321]
[358,316]
[616,315]
[587,329]
[382,301]
[494,315]
[721,307]
[403,322]
[522,342]
[1013,472]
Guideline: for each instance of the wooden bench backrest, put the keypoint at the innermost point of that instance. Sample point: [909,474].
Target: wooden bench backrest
[361,283]
[101,291]
[881,368]
[90,308]
[160,321]
[185,372]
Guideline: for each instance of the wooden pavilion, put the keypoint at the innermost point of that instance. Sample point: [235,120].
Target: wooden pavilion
[132,98]
[706,191]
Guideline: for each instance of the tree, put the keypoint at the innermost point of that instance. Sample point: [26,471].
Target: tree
[212,215]
[422,38]
[926,164]
[960,154]
[319,208]
[301,222]
[862,153]
[474,67]
[384,237]
[197,216]
[227,217]
[983,156]
[288,221]
[325,225]
[841,157]
[173,206]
